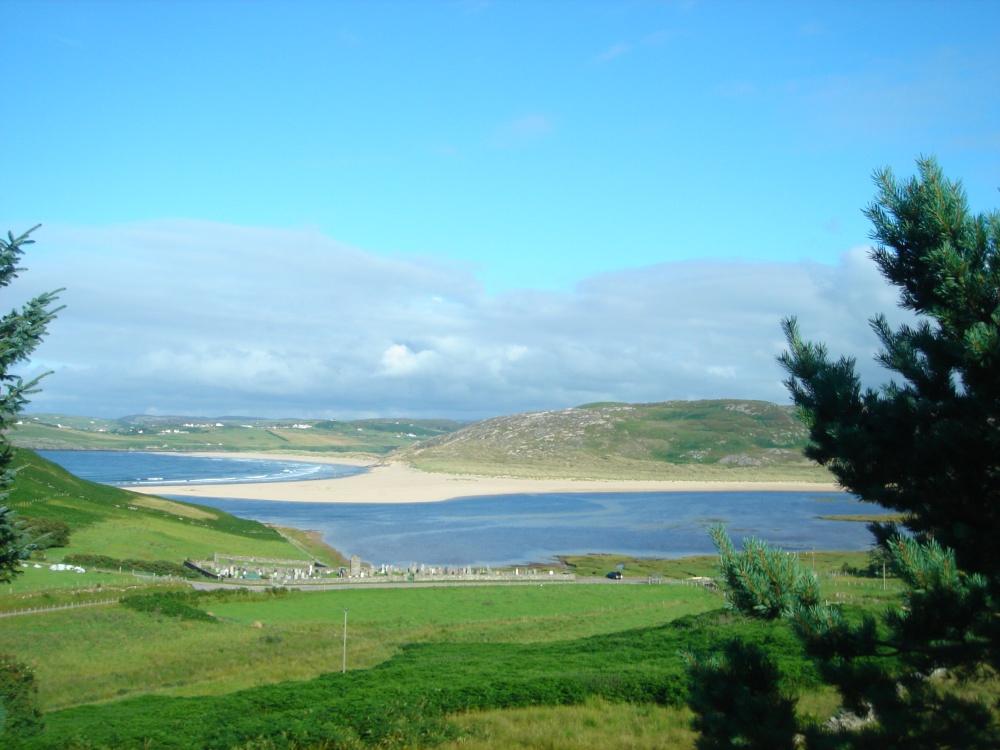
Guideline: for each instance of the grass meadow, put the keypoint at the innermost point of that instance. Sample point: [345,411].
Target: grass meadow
[585,665]
[428,691]
[82,657]
[543,665]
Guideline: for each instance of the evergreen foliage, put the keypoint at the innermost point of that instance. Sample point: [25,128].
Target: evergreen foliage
[761,581]
[14,544]
[738,701]
[927,445]
[20,333]
[19,715]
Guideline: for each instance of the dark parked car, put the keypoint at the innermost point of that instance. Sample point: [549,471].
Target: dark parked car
[615,575]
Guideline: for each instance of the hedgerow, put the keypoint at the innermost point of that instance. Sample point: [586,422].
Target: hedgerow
[157,567]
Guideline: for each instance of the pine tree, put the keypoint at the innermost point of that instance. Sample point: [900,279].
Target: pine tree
[928,444]
[20,333]
[738,701]
[762,581]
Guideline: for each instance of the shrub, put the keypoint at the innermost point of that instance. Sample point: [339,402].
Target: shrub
[19,714]
[46,532]
[157,567]
[168,603]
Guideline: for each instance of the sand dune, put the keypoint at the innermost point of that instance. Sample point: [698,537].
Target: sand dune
[394,482]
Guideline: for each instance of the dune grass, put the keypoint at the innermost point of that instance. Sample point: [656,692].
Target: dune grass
[585,466]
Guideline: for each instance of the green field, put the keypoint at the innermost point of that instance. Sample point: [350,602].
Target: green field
[240,434]
[552,665]
[415,658]
[493,658]
[82,658]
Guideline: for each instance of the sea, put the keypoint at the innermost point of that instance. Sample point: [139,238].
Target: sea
[140,469]
[500,530]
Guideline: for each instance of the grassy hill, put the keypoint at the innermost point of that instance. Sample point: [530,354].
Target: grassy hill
[127,525]
[140,432]
[723,439]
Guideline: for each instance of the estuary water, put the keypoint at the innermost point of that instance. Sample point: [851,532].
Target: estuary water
[508,529]
[140,469]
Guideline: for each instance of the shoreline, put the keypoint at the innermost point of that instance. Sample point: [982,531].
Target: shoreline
[390,482]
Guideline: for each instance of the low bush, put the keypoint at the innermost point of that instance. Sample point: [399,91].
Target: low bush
[19,714]
[46,532]
[157,567]
[178,604]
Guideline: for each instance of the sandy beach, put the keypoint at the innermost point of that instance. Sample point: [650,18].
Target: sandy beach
[394,482]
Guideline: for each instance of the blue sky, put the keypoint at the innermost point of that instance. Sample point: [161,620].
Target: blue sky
[466,208]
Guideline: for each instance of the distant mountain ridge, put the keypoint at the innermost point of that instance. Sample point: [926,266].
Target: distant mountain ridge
[724,439]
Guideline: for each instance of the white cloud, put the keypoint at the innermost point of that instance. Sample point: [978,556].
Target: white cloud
[207,319]
[400,360]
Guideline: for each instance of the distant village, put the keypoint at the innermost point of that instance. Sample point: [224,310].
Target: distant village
[277,572]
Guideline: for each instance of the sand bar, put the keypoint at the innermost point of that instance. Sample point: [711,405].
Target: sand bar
[395,482]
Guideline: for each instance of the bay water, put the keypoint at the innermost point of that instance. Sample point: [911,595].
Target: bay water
[499,530]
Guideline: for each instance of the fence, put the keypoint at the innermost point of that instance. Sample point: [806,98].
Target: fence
[54,607]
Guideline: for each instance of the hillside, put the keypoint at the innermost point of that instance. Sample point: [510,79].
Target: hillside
[121,524]
[724,439]
[143,432]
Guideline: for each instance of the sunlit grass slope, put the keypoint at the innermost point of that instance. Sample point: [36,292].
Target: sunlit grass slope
[121,524]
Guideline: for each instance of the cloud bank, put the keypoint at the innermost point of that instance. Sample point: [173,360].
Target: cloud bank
[196,318]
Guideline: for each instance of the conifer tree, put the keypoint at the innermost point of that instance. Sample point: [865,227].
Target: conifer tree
[20,333]
[738,701]
[928,443]
[762,581]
